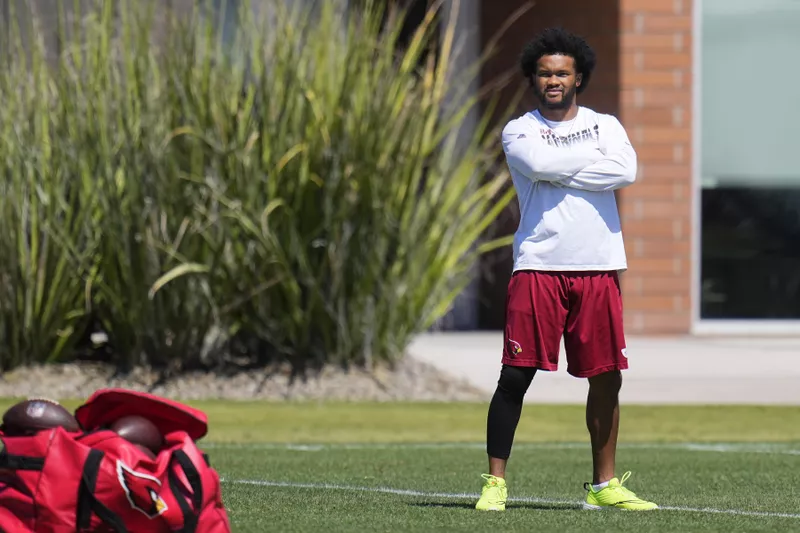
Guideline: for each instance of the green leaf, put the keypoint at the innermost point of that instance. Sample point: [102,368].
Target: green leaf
[175,273]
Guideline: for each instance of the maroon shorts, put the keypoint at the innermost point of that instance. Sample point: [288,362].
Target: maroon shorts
[584,307]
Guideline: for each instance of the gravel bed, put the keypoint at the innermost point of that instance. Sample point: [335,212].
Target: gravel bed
[409,380]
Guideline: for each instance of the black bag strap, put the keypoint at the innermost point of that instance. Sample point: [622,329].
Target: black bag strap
[9,461]
[190,515]
[88,504]
[20,462]
[193,476]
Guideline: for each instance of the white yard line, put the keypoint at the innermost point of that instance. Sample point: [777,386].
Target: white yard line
[768,448]
[473,497]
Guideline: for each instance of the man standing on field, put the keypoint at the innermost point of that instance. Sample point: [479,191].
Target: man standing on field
[566,161]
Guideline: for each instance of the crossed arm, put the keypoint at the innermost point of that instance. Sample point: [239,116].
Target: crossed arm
[614,169]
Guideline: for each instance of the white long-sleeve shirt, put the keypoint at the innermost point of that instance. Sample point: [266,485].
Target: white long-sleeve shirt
[565,175]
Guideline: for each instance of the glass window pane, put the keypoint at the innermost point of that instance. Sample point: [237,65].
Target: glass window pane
[751,253]
[750,265]
[749,66]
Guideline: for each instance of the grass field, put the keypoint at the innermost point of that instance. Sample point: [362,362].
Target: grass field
[416,467]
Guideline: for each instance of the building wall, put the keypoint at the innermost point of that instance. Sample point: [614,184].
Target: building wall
[466,15]
[656,109]
[643,76]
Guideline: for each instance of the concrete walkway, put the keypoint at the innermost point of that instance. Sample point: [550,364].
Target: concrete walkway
[670,370]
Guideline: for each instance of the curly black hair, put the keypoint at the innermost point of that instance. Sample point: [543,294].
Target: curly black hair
[558,41]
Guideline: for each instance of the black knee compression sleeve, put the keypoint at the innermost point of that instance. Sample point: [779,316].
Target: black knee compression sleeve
[506,408]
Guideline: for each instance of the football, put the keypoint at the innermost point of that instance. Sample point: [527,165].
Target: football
[139,430]
[36,414]
[146,451]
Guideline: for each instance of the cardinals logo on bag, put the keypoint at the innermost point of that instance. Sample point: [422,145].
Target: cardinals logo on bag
[142,490]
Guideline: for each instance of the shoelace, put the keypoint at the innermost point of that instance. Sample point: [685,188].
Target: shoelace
[625,490]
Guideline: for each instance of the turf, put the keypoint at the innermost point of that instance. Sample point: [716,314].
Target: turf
[402,422]
[332,488]
[416,467]
[679,478]
[232,421]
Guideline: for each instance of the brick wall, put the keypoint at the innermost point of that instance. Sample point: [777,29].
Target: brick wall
[655,107]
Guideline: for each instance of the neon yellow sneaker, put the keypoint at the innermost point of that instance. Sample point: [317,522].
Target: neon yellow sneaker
[493,494]
[615,496]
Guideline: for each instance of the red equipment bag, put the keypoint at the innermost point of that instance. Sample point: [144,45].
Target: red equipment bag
[96,481]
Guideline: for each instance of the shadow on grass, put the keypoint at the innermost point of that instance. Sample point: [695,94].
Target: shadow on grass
[509,507]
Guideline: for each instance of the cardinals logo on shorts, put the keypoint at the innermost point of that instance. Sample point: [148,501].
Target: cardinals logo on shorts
[514,348]
[142,490]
